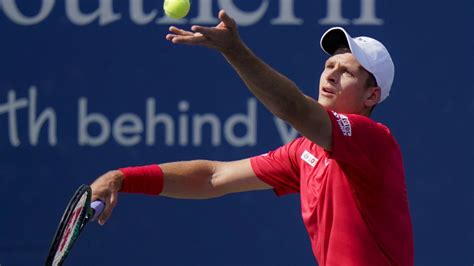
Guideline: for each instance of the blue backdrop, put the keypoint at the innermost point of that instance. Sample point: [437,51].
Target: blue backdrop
[88,86]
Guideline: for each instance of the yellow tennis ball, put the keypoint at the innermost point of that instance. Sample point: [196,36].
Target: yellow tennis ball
[176,8]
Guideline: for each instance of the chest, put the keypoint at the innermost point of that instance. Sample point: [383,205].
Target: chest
[321,179]
[314,168]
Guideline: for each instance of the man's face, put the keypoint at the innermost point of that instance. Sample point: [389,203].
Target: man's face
[342,86]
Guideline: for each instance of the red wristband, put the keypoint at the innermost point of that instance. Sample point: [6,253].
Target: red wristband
[146,179]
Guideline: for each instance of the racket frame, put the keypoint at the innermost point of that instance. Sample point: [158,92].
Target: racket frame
[84,217]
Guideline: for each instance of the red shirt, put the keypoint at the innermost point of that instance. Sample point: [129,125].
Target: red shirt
[353,199]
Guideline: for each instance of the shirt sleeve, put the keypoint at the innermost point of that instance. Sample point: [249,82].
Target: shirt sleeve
[279,168]
[361,143]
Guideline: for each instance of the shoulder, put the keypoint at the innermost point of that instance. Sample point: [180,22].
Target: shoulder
[360,129]
[347,123]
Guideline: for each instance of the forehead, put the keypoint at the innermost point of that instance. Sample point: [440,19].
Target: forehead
[345,58]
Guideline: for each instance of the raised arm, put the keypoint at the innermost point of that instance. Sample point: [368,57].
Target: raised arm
[280,95]
[198,179]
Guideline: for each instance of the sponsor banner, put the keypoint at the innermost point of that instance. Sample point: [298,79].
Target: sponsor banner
[87,86]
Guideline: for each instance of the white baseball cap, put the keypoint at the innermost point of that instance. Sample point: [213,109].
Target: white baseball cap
[370,53]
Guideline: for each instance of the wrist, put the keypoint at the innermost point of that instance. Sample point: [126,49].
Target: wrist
[146,179]
[234,50]
[116,179]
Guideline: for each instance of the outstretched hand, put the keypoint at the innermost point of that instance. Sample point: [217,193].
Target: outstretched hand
[223,37]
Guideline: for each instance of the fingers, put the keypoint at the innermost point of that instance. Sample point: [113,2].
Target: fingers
[220,37]
[228,21]
[170,37]
[179,36]
[195,39]
[190,40]
[179,31]
[110,203]
[206,31]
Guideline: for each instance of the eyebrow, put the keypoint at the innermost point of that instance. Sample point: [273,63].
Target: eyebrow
[331,60]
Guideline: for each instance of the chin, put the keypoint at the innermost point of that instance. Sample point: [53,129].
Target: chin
[326,103]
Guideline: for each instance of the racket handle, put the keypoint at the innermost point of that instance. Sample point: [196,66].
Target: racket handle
[97,208]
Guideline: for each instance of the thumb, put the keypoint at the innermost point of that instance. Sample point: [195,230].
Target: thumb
[228,21]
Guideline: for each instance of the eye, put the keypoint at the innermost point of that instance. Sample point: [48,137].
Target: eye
[348,73]
[329,65]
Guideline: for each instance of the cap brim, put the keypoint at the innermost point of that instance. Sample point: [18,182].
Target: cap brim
[336,38]
[333,39]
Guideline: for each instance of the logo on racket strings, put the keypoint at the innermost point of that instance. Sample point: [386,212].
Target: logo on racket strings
[69,228]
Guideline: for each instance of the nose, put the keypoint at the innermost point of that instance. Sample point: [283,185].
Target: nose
[331,75]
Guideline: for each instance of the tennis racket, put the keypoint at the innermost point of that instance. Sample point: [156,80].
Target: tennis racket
[79,211]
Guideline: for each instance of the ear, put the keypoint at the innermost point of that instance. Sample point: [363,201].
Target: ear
[372,96]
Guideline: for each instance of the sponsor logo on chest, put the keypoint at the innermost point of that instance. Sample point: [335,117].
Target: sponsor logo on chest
[309,158]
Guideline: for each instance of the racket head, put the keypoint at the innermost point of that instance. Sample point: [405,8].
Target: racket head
[74,218]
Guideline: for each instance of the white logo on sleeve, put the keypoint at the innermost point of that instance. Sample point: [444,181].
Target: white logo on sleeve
[309,158]
[344,124]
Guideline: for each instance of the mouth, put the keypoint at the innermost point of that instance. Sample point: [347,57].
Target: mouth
[326,91]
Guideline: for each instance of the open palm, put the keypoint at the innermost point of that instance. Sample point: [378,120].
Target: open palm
[222,37]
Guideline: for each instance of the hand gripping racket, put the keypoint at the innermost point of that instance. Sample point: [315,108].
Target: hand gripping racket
[79,211]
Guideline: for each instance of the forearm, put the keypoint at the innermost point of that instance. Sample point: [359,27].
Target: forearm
[279,94]
[199,179]
[190,180]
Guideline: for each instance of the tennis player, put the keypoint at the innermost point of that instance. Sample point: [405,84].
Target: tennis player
[347,167]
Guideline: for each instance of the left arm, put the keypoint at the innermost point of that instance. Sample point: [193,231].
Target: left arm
[279,94]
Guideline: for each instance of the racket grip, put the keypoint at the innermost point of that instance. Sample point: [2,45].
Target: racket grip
[97,207]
